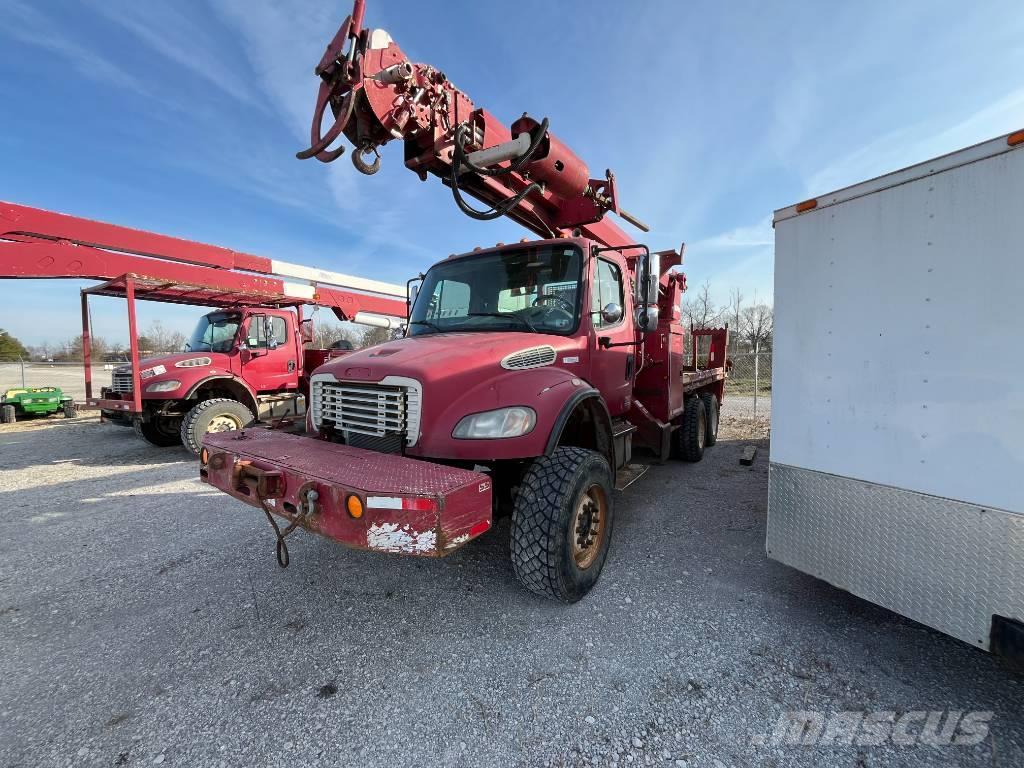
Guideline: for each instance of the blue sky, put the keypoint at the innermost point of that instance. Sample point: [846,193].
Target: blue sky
[184,118]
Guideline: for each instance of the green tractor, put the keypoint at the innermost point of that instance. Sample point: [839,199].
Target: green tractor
[34,401]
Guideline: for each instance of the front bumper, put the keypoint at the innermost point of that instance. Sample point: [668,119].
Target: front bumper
[410,506]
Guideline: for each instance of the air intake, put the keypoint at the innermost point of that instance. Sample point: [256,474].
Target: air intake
[534,357]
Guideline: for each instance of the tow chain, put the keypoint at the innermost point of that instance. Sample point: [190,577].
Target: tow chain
[305,511]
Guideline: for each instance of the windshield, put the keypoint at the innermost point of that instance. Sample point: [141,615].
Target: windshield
[533,290]
[215,332]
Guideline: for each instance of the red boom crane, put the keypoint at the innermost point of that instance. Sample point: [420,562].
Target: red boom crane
[524,171]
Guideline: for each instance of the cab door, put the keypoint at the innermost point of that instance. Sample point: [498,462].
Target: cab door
[269,360]
[613,359]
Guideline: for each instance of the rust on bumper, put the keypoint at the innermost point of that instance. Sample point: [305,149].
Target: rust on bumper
[409,506]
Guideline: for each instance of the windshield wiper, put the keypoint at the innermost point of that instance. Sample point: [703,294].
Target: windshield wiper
[427,323]
[509,315]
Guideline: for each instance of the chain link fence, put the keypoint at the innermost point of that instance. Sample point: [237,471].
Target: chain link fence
[748,393]
[69,376]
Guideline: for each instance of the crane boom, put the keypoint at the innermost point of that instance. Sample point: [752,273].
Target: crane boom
[42,244]
[523,171]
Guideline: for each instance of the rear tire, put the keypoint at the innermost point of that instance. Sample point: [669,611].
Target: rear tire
[157,432]
[711,412]
[8,415]
[220,414]
[691,436]
[70,411]
[562,521]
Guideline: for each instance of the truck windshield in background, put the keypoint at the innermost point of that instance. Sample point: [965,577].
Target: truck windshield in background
[530,289]
[214,332]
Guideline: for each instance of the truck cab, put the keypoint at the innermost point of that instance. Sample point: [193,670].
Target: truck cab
[238,365]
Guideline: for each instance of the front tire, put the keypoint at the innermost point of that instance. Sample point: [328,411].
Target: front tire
[220,414]
[8,415]
[70,411]
[157,432]
[562,521]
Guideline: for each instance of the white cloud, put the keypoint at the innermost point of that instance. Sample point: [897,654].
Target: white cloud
[27,25]
[169,32]
[918,143]
[748,236]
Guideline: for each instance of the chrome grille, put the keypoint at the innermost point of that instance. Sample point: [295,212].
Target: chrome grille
[121,381]
[365,409]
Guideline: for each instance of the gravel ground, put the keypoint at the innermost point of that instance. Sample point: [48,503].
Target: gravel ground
[143,621]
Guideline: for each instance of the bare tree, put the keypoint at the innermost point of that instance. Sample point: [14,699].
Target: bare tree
[700,311]
[162,339]
[757,323]
[326,334]
[72,349]
[734,312]
[373,336]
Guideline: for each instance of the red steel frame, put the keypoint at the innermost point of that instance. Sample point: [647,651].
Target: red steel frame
[132,263]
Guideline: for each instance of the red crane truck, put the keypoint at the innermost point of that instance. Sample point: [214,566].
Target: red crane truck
[249,359]
[528,374]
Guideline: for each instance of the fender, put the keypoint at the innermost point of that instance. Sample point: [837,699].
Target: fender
[233,380]
[601,409]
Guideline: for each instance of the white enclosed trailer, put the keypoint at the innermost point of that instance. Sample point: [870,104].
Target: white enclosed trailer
[897,452]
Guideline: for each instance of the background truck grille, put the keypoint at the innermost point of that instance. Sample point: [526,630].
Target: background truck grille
[361,411]
[121,381]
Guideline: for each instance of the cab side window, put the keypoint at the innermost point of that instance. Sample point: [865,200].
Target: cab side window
[267,332]
[607,290]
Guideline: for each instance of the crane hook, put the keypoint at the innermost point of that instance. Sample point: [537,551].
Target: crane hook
[365,148]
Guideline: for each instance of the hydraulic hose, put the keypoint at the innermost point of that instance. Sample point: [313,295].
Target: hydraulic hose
[505,206]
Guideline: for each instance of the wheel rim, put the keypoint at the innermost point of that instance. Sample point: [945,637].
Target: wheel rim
[589,524]
[224,422]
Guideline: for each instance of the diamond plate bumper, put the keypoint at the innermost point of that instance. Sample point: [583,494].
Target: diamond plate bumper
[410,506]
[944,563]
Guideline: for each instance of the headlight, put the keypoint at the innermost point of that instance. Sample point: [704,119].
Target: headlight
[504,422]
[163,386]
[193,362]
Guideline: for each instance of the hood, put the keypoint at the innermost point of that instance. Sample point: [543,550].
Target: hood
[442,355]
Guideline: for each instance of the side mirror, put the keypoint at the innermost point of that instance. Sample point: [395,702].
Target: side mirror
[611,313]
[653,277]
[647,319]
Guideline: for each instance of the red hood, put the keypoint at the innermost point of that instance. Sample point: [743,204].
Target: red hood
[440,355]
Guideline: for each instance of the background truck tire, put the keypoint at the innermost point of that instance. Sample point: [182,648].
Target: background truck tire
[711,417]
[221,414]
[691,437]
[8,415]
[70,411]
[562,522]
[157,432]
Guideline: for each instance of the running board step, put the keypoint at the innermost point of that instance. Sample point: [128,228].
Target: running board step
[628,475]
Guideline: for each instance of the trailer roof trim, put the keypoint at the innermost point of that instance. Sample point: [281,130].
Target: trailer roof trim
[947,162]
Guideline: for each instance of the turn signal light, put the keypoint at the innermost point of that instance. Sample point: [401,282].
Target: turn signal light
[204,456]
[354,505]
